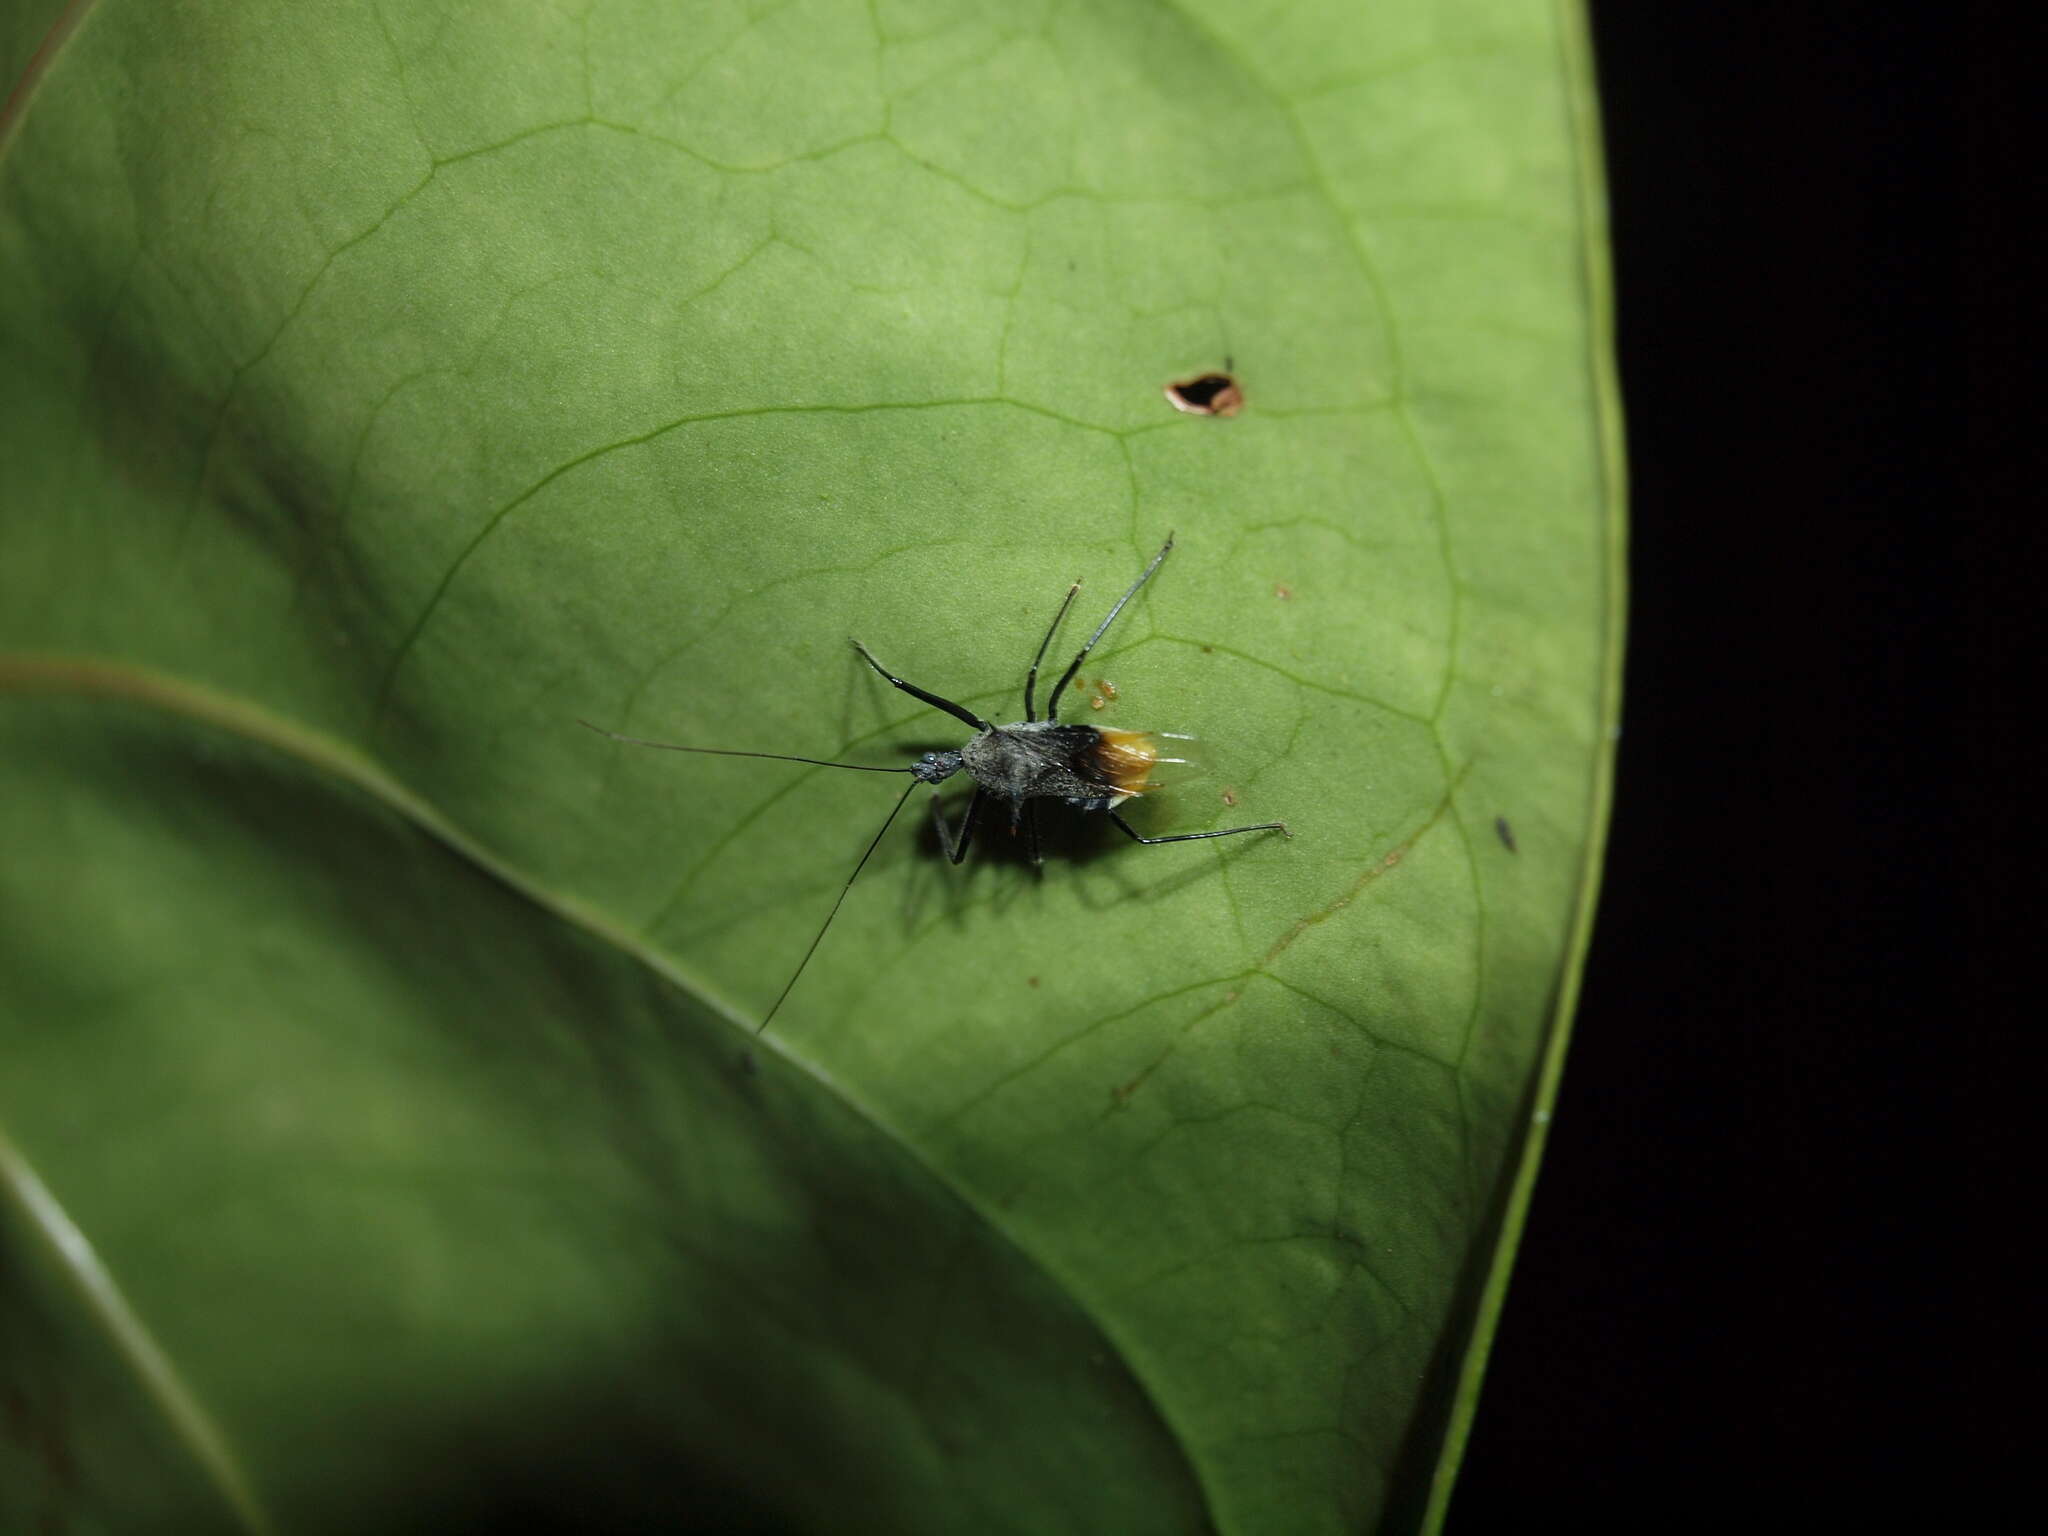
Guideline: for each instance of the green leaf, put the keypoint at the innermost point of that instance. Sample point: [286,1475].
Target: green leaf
[387,1141]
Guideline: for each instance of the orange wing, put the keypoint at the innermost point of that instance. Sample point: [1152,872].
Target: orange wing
[1124,760]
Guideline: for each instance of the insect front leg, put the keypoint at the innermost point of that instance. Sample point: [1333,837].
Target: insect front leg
[957,851]
[958,711]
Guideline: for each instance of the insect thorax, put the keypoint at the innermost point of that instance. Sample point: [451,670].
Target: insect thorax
[1038,759]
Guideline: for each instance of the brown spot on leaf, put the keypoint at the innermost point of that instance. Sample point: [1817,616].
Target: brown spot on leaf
[1030,981]
[1207,394]
[1282,591]
[1230,797]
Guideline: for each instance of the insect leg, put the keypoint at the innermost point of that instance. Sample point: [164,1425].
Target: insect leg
[1193,837]
[1031,677]
[901,801]
[1052,703]
[958,712]
[1031,830]
[956,851]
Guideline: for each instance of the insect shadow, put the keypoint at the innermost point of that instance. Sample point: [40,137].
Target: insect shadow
[1085,767]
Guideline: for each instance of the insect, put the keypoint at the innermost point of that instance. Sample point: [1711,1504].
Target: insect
[1087,767]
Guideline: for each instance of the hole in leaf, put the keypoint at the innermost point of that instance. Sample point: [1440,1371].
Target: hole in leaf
[1207,394]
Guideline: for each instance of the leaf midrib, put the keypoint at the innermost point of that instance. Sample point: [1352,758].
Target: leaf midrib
[73,1254]
[55,42]
[98,677]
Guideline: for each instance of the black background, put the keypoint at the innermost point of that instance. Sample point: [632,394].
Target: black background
[1757,1289]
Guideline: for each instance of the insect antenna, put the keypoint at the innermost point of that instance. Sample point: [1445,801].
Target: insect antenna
[816,762]
[778,757]
[1031,677]
[819,938]
[1052,707]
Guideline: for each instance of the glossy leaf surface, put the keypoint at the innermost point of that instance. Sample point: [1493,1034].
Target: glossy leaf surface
[383,389]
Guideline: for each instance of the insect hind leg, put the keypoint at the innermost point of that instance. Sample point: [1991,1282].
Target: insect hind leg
[1031,677]
[1194,837]
[1052,702]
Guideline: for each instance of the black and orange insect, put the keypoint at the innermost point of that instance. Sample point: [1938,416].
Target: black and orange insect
[1085,766]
